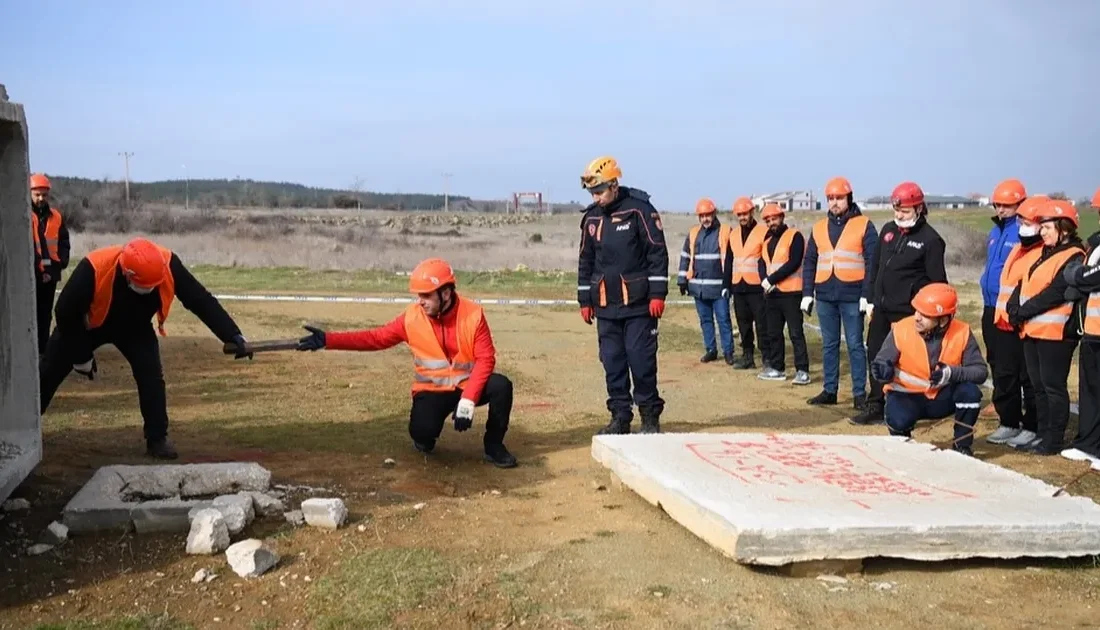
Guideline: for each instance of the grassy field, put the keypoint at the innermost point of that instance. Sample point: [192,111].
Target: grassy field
[545,545]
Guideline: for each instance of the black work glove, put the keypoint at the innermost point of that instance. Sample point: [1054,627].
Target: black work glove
[1072,294]
[1070,271]
[941,376]
[242,352]
[683,289]
[88,369]
[882,372]
[313,341]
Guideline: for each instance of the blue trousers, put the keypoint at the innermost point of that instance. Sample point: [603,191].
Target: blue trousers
[831,315]
[628,351]
[903,410]
[708,311]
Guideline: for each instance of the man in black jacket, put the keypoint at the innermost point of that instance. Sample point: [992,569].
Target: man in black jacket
[622,281]
[51,253]
[111,298]
[908,257]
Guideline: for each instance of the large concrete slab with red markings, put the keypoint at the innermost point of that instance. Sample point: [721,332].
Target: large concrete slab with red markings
[776,499]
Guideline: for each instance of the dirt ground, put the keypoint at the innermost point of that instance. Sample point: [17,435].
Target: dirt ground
[547,545]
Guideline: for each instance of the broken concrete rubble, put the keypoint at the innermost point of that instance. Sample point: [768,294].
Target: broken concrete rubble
[251,558]
[209,533]
[237,510]
[295,517]
[266,504]
[324,513]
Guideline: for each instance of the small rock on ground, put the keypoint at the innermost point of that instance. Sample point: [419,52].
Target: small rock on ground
[38,549]
[236,509]
[251,558]
[295,517]
[325,513]
[209,534]
[264,504]
[12,505]
[55,534]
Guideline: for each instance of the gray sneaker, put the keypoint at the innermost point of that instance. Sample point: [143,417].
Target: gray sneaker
[1023,440]
[1002,435]
[801,378]
[771,374]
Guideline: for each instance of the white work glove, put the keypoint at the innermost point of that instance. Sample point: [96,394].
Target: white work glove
[807,304]
[87,369]
[768,287]
[866,307]
[464,414]
[725,293]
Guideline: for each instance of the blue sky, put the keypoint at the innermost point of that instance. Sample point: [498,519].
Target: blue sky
[694,97]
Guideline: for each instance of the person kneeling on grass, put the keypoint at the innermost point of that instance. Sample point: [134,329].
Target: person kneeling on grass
[932,367]
[453,355]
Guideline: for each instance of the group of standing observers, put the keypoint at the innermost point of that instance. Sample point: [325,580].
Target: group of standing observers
[1040,288]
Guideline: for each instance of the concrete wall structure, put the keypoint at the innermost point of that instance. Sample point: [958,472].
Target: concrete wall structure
[20,422]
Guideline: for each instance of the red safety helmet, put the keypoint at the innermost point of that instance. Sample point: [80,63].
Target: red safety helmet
[771,210]
[745,205]
[907,195]
[938,299]
[142,263]
[430,275]
[1009,192]
[705,206]
[838,187]
[38,180]
[1054,209]
[1030,206]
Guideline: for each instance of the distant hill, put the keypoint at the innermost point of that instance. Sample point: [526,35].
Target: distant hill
[221,193]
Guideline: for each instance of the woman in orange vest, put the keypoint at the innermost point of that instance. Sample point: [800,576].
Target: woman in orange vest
[1085,280]
[932,367]
[1038,308]
[110,298]
[453,356]
[782,253]
[51,253]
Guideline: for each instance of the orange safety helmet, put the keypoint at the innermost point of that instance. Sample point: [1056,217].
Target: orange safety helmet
[1009,192]
[705,206]
[142,263]
[1030,205]
[602,170]
[838,187]
[1054,209]
[907,195]
[744,204]
[936,300]
[1096,199]
[38,180]
[771,210]
[431,275]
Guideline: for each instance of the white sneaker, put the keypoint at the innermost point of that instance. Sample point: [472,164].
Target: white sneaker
[801,378]
[1077,455]
[771,374]
[1096,464]
[1022,440]
[1002,435]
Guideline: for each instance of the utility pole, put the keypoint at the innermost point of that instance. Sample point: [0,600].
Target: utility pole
[357,186]
[126,159]
[446,187]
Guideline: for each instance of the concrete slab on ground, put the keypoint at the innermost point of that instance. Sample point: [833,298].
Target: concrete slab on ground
[156,498]
[776,499]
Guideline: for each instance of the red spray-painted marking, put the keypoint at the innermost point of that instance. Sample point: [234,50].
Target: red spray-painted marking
[788,462]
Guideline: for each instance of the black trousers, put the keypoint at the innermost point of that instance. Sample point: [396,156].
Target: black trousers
[1013,396]
[628,351]
[430,411]
[139,346]
[1048,364]
[748,309]
[877,331]
[44,295]
[1088,367]
[782,309]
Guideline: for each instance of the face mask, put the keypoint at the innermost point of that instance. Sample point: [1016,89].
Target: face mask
[906,224]
[1029,241]
[1028,230]
[142,290]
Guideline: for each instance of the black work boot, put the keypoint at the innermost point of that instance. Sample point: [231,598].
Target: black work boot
[745,362]
[619,425]
[824,398]
[859,402]
[499,456]
[160,449]
[424,447]
[871,415]
[651,422]
[730,359]
[711,355]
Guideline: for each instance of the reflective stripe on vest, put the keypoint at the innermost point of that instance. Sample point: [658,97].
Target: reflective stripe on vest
[746,255]
[1049,324]
[913,373]
[782,254]
[105,265]
[845,261]
[434,371]
[723,243]
[53,236]
[1016,265]
[1092,315]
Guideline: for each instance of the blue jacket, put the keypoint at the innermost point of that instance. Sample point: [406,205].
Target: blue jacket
[833,289]
[1002,237]
[708,279]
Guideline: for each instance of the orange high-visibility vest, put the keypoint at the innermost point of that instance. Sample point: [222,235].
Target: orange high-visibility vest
[434,371]
[105,264]
[746,254]
[723,243]
[1016,265]
[782,254]
[53,235]
[846,259]
[913,374]
[1092,315]
[1050,325]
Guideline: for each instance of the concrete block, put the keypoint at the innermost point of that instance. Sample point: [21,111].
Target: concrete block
[156,498]
[777,499]
[209,534]
[20,423]
[265,504]
[251,558]
[324,513]
[237,511]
